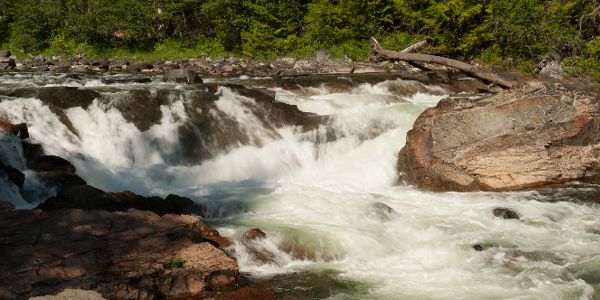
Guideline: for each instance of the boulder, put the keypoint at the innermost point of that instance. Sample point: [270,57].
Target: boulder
[182,75]
[505,213]
[382,211]
[138,66]
[533,136]
[7,63]
[67,97]
[253,234]
[51,163]
[119,255]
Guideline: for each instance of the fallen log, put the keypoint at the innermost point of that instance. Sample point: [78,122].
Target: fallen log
[414,47]
[427,58]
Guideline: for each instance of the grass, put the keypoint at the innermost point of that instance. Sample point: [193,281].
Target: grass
[174,263]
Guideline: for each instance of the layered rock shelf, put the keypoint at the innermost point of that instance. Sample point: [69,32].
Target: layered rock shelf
[90,243]
[539,135]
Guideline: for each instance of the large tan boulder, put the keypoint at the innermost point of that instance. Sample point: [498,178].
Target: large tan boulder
[534,136]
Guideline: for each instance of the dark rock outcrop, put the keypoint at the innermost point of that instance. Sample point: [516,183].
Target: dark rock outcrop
[17,129]
[383,211]
[90,198]
[121,255]
[534,136]
[14,175]
[505,213]
[67,97]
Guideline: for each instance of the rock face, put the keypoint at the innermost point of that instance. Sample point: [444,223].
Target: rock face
[121,255]
[89,198]
[70,294]
[534,136]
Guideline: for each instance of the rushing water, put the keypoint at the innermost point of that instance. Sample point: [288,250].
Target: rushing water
[318,194]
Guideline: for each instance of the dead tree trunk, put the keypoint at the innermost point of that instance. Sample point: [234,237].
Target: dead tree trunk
[414,47]
[418,57]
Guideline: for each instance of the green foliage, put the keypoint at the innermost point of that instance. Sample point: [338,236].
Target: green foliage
[61,43]
[513,33]
[174,263]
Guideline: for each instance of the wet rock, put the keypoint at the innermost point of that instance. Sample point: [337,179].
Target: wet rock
[533,136]
[478,247]
[246,293]
[71,294]
[89,198]
[253,234]
[120,255]
[182,75]
[127,79]
[142,107]
[13,175]
[67,97]
[483,246]
[17,129]
[382,211]
[5,205]
[31,151]
[505,213]
[51,163]
[139,66]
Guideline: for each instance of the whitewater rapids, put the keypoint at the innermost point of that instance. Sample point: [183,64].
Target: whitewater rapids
[319,193]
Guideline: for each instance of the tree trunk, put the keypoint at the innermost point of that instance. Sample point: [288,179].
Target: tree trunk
[418,57]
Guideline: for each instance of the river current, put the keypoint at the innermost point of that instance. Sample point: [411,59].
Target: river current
[322,195]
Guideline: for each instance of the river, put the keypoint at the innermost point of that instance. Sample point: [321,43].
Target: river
[321,190]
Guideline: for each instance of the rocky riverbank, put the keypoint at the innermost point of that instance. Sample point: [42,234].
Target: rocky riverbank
[544,133]
[214,67]
[121,245]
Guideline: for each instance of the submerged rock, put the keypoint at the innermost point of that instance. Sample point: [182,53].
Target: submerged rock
[505,213]
[382,211]
[14,175]
[253,234]
[530,137]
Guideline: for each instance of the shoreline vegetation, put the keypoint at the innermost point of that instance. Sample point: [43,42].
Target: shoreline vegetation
[508,34]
